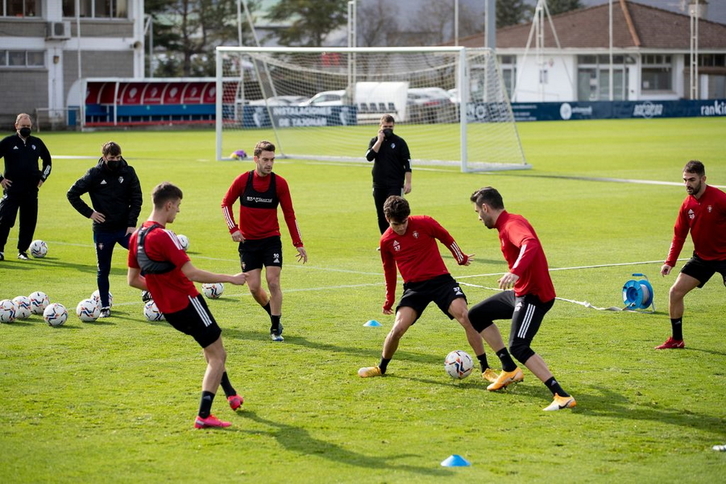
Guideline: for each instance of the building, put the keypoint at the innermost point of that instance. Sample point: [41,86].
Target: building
[47,45]
[650,50]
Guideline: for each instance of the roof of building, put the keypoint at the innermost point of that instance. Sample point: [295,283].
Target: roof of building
[634,26]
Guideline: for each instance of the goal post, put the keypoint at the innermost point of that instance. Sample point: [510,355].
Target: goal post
[449,103]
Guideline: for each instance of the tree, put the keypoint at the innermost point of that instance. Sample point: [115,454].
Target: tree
[561,6]
[187,31]
[310,21]
[512,12]
[377,23]
[436,18]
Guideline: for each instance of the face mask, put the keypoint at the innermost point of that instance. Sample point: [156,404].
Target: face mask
[113,165]
[387,132]
[24,132]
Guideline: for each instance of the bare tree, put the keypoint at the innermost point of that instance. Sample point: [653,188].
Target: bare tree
[377,23]
[435,22]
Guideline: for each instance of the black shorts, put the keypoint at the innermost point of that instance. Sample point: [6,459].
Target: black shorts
[526,313]
[703,269]
[253,254]
[196,321]
[441,289]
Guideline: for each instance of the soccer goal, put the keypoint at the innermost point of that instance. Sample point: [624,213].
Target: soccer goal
[449,103]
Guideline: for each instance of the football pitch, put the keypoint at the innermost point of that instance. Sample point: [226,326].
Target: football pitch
[115,400]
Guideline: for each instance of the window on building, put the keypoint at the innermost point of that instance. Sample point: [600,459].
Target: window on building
[96,8]
[22,58]
[656,73]
[508,66]
[593,77]
[20,8]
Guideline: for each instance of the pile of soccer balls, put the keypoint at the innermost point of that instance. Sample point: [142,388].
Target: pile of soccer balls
[22,307]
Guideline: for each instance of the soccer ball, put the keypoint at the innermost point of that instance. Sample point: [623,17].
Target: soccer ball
[184,241]
[55,314]
[38,302]
[213,290]
[38,248]
[458,364]
[24,308]
[238,155]
[8,311]
[151,312]
[96,296]
[88,311]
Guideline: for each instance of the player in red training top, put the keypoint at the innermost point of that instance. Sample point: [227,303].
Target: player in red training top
[157,263]
[260,191]
[527,304]
[703,213]
[410,244]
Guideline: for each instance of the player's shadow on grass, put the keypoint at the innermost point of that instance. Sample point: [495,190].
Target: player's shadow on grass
[299,440]
[365,353]
[610,404]
[52,262]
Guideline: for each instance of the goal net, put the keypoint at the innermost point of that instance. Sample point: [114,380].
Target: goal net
[449,103]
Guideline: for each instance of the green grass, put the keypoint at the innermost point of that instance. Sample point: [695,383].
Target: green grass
[114,401]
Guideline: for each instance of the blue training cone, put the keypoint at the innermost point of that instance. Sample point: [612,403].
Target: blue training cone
[372,323]
[455,461]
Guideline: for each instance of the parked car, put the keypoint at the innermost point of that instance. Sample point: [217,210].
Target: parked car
[428,105]
[325,98]
[279,101]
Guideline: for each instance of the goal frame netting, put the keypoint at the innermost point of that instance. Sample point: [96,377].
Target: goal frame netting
[482,136]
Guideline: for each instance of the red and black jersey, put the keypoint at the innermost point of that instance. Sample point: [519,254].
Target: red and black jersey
[525,256]
[416,253]
[171,290]
[259,197]
[705,218]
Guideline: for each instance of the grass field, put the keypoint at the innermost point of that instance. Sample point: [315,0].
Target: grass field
[114,401]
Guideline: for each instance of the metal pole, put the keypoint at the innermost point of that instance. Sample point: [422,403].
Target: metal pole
[610,27]
[456,23]
[239,22]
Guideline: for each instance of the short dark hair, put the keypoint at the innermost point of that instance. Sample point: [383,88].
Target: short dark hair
[387,118]
[396,208]
[165,192]
[263,146]
[695,166]
[110,148]
[488,195]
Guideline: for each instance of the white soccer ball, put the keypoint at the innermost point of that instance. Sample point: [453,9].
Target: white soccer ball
[88,311]
[458,364]
[8,311]
[55,314]
[213,290]
[152,312]
[38,302]
[96,297]
[24,307]
[38,248]
[184,241]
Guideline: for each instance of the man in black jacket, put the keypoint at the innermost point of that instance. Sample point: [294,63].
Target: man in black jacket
[115,193]
[391,167]
[20,182]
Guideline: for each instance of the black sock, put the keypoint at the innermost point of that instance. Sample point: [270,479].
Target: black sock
[383,364]
[508,363]
[205,406]
[275,323]
[483,361]
[227,386]
[677,325]
[555,387]
[266,307]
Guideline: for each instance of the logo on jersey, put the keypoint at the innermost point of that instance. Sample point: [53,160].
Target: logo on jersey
[709,208]
[415,234]
[458,291]
[393,146]
[691,215]
[120,179]
[396,246]
[276,258]
[518,306]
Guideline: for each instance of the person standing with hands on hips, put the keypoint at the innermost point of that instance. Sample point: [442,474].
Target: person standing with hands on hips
[21,182]
[116,197]
[391,167]
[703,213]
[260,191]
